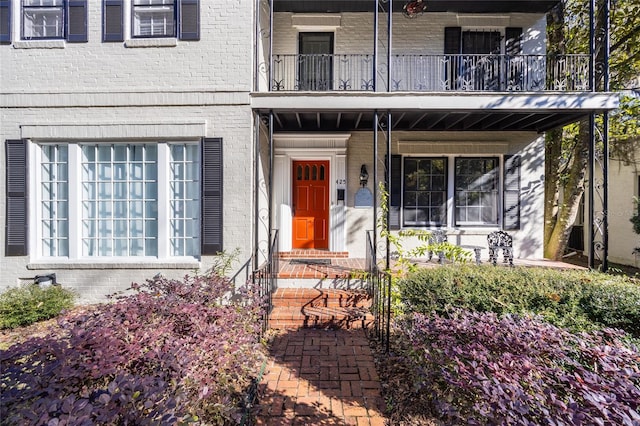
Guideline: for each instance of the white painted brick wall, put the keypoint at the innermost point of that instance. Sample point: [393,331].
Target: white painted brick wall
[202,84]
[220,61]
[422,35]
[527,241]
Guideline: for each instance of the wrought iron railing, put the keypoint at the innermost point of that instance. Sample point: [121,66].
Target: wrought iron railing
[432,73]
[379,288]
[265,278]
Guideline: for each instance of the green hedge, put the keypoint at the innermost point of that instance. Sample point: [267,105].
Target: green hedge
[578,300]
[20,306]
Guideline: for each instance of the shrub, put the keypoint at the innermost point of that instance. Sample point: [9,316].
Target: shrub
[579,300]
[169,353]
[478,368]
[20,306]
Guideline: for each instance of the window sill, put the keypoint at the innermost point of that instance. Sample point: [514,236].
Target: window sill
[151,42]
[152,264]
[39,44]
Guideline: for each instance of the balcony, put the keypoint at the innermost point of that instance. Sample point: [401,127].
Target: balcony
[432,73]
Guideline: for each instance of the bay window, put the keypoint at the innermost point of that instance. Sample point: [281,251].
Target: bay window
[130,199]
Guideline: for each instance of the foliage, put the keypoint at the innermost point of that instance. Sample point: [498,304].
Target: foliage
[20,306]
[567,149]
[479,368]
[635,219]
[579,300]
[170,353]
[405,257]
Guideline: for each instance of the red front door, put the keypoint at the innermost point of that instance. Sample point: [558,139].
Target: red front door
[310,204]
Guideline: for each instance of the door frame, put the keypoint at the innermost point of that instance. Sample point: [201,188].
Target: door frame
[332,41]
[309,147]
[326,197]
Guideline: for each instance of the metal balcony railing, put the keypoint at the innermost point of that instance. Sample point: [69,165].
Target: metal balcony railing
[432,73]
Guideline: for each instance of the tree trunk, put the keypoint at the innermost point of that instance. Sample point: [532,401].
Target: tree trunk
[572,192]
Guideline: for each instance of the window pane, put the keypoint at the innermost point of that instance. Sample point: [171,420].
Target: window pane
[185,200]
[43,21]
[54,203]
[425,189]
[476,196]
[121,212]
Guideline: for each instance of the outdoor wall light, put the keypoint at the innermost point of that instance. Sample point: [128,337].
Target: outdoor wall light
[45,280]
[364,176]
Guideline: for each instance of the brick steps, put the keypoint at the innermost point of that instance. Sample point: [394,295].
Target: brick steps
[313,254]
[295,308]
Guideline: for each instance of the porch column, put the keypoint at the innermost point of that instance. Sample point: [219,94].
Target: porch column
[606,47]
[256,185]
[375,55]
[388,187]
[270,184]
[389,39]
[375,187]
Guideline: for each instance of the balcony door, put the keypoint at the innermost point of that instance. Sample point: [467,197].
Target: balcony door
[315,63]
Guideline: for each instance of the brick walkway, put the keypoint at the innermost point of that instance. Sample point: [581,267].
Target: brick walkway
[320,377]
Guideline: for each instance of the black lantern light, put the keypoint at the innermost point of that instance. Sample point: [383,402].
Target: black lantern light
[364,176]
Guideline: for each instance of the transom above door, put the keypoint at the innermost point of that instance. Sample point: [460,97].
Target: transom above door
[310,204]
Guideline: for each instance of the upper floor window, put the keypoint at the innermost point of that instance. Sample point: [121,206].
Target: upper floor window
[48,20]
[154,18]
[150,19]
[42,19]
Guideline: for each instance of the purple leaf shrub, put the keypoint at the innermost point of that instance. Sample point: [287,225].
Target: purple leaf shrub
[478,369]
[173,352]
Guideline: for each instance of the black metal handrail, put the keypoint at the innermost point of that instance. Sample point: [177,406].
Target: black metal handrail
[432,73]
[379,288]
[265,278]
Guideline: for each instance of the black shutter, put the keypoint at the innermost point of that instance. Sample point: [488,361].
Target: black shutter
[189,16]
[511,214]
[16,219]
[395,192]
[112,20]
[452,40]
[77,21]
[211,222]
[513,41]
[5,22]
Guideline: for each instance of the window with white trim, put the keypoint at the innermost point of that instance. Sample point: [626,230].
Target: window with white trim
[154,18]
[129,199]
[47,20]
[468,185]
[425,191]
[476,191]
[43,19]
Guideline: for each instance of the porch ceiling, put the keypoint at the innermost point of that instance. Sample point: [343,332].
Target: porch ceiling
[413,120]
[460,6]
